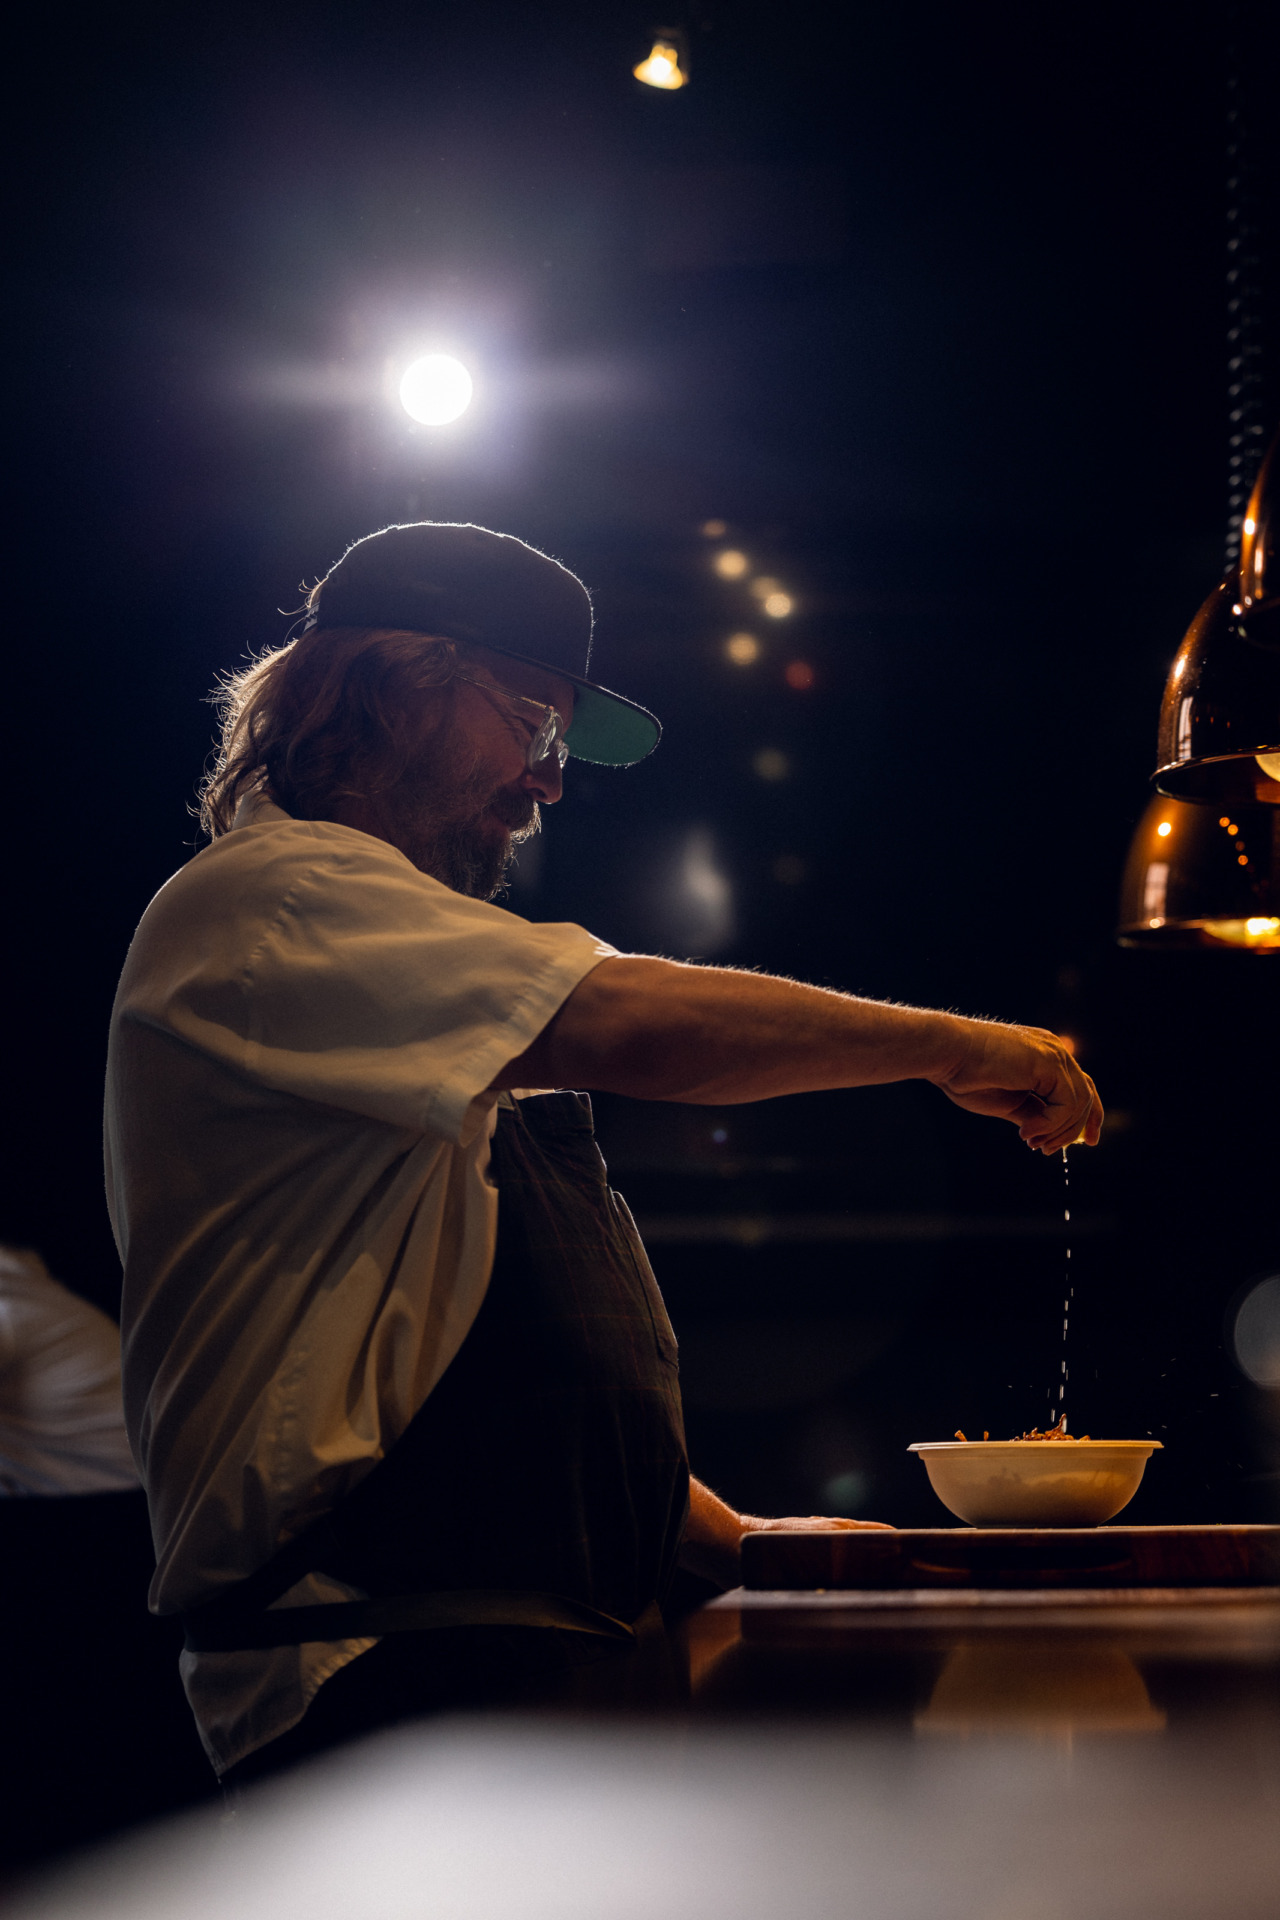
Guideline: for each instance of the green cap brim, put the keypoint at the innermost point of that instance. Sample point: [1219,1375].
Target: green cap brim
[608,731]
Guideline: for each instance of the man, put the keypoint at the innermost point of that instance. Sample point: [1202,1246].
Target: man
[397,1374]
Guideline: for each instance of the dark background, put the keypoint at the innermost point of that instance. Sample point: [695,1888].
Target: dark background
[928,306]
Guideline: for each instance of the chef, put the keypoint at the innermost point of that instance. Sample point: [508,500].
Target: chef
[398,1376]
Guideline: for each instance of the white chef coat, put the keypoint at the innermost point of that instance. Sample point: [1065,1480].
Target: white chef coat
[297,1141]
[61,1419]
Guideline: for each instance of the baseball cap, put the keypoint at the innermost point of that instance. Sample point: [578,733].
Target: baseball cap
[468,583]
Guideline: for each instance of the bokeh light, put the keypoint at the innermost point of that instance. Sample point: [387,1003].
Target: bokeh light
[730,564]
[778,605]
[662,68]
[1164,829]
[714,529]
[799,674]
[742,649]
[436,389]
[771,764]
[1255,1333]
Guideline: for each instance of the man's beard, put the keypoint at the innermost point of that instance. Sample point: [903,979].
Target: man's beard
[462,832]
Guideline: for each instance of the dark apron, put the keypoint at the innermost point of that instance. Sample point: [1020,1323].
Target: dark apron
[544,1482]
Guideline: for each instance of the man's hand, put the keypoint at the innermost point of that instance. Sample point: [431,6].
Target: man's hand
[1026,1075]
[660,1030]
[712,1545]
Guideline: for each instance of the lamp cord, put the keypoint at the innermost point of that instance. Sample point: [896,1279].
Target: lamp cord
[1246,400]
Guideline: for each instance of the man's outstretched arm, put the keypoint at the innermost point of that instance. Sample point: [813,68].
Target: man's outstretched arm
[710,1036]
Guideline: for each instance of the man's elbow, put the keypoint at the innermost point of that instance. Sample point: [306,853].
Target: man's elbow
[609,1036]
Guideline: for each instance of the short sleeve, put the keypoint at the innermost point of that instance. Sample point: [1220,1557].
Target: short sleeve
[319,962]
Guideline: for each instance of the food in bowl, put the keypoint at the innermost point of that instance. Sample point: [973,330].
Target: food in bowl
[1026,1483]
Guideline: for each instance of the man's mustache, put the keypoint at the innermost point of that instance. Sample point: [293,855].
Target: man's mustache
[517,810]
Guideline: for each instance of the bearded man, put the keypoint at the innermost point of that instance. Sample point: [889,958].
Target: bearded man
[398,1377]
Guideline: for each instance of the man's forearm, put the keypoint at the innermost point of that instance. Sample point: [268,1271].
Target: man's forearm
[658,1030]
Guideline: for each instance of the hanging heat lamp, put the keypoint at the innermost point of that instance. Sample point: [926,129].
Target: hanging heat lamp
[1198,877]
[1219,740]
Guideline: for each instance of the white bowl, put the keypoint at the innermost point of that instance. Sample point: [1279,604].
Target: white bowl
[1035,1483]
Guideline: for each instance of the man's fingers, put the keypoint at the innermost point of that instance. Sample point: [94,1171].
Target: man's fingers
[1027,1076]
[817,1522]
[1081,1126]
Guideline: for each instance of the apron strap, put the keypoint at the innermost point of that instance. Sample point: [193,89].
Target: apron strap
[222,1630]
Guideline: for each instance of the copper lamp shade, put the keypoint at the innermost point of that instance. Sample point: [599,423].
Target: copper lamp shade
[1198,877]
[1220,717]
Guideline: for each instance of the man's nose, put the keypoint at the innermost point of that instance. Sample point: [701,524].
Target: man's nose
[545,781]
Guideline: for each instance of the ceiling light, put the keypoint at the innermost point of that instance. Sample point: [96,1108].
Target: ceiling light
[435,389]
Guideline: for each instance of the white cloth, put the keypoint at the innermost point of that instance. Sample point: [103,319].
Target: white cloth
[61,1420]
[297,1136]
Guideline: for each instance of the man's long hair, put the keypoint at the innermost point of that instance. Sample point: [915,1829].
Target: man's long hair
[334,715]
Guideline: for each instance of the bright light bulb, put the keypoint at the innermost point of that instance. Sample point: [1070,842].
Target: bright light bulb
[662,68]
[1270,764]
[730,564]
[1165,828]
[1259,931]
[435,389]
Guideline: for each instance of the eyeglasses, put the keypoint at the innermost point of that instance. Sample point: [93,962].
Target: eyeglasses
[548,733]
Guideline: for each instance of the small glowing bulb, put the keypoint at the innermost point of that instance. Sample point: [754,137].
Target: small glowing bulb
[799,674]
[1232,828]
[778,605]
[1164,829]
[435,389]
[1242,859]
[730,564]
[742,648]
[662,68]
[1270,764]
[1223,821]
[1250,525]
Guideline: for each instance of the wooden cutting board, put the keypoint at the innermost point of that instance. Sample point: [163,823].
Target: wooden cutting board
[1027,1557]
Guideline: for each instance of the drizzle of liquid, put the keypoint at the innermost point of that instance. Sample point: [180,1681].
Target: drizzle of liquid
[1067,1289]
